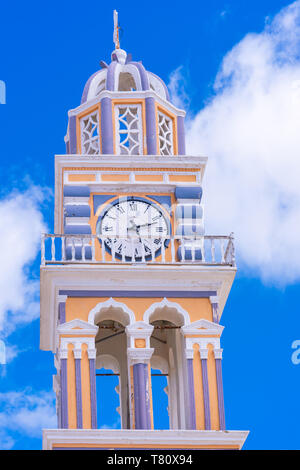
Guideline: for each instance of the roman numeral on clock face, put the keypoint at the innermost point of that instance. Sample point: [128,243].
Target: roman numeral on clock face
[139,227]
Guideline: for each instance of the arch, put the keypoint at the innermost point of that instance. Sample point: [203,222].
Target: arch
[166,310]
[111,310]
[107,361]
[90,89]
[159,363]
[127,69]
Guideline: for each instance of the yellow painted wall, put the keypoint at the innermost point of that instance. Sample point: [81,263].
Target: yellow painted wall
[80,307]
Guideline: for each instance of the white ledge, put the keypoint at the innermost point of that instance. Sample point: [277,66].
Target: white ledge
[134,438]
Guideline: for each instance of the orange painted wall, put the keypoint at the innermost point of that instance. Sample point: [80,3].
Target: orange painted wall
[213,391]
[198,389]
[85,387]
[80,307]
[71,388]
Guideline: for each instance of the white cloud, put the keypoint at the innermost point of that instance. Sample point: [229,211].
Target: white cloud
[250,130]
[25,413]
[20,231]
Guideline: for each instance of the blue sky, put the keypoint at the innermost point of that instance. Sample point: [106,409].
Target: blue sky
[246,122]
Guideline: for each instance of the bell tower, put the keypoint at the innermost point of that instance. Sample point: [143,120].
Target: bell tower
[130,282]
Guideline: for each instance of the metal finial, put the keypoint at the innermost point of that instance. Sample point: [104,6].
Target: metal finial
[116,39]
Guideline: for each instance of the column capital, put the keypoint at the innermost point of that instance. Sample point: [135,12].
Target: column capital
[189,353]
[77,350]
[203,353]
[214,299]
[63,352]
[218,353]
[92,353]
[139,355]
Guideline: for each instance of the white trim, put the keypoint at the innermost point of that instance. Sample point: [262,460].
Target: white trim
[107,304]
[202,327]
[139,355]
[166,303]
[77,327]
[134,437]
[124,95]
[218,353]
[139,330]
[203,344]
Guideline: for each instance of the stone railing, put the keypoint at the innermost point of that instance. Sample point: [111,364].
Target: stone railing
[90,249]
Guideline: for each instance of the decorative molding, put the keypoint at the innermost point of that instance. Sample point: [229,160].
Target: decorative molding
[77,327]
[202,327]
[139,330]
[139,355]
[166,303]
[106,305]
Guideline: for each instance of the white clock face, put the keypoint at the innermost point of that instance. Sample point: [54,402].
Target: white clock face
[134,228]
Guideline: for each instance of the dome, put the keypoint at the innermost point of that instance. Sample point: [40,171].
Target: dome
[123,74]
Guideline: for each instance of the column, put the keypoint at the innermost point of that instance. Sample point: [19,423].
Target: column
[63,357]
[218,359]
[77,355]
[139,358]
[204,356]
[107,137]
[189,353]
[92,364]
[214,300]
[151,127]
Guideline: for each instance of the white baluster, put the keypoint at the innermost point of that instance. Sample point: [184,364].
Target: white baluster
[83,250]
[103,249]
[113,252]
[203,250]
[93,249]
[222,250]
[172,249]
[52,249]
[143,252]
[123,240]
[182,251]
[73,248]
[43,250]
[63,248]
[163,251]
[193,249]
[212,249]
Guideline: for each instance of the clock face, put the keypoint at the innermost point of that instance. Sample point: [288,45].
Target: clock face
[134,229]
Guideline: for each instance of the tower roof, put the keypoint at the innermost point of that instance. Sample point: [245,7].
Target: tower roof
[123,74]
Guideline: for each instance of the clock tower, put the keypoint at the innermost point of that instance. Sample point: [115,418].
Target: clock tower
[131,286]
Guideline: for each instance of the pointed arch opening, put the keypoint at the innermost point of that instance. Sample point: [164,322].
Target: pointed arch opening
[168,370]
[112,317]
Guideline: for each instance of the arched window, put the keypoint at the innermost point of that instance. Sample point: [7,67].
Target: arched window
[108,386]
[160,392]
[126,82]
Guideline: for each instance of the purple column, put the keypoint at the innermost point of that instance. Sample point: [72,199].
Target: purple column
[93,393]
[78,392]
[141,397]
[72,135]
[151,130]
[180,135]
[61,312]
[107,137]
[192,414]
[64,393]
[205,393]
[220,394]
[215,309]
